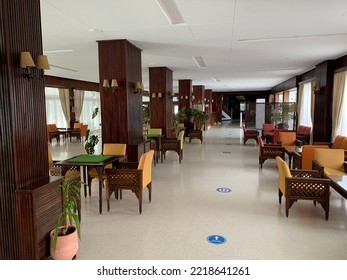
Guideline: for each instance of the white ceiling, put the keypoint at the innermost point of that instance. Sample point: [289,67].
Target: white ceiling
[246,44]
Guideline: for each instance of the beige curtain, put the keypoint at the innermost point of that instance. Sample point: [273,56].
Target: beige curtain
[64,97]
[338,96]
[78,98]
[313,83]
[298,108]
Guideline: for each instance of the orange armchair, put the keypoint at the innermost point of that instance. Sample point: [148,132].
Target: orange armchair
[304,159]
[52,132]
[288,138]
[128,177]
[329,162]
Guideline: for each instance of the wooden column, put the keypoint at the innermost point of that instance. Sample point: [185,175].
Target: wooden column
[23,130]
[185,89]
[208,102]
[161,108]
[217,105]
[121,110]
[323,102]
[199,95]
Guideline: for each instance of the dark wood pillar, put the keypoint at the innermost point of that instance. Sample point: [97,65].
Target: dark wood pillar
[208,101]
[199,96]
[185,89]
[217,105]
[23,130]
[323,102]
[161,108]
[121,110]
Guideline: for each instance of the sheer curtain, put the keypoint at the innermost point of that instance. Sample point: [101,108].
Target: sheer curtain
[91,101]
[78,101]
[339,109]
[64,97]
[305,105]
[54,112]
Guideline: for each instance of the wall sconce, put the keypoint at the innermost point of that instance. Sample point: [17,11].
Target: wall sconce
[186,97]
[315,89]
[171,94]
[27,63]
[106,84]
[154,95]
[138,87]
[159,95]
[193,97]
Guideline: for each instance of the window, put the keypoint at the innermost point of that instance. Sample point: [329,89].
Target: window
[90,102]
[54,112]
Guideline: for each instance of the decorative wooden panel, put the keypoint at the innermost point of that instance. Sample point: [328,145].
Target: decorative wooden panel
[185,88]
[37,209]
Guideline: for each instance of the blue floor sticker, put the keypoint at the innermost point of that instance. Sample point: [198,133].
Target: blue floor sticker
[216,239]
[223,190]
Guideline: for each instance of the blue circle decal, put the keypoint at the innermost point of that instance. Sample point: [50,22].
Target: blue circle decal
[223,190]
[216,239]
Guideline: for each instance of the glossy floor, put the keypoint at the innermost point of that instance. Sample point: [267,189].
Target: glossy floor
[186,208]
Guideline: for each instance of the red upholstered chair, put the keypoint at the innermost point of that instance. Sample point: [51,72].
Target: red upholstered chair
[303,133]
[268,132]
[249,134]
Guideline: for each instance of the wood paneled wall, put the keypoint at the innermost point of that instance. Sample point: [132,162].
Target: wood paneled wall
[199,94]
[23,133]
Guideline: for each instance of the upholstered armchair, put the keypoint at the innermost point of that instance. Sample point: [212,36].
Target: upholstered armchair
[268,132]
[269,151]
[303,133]
[304,159]
[196,133]
[114,149]
[329,162]
[131,176]
[52,132]
[84,128]
[288,138]
[76,132]
[173,144]
[249,134]
[297,185]
[340,142]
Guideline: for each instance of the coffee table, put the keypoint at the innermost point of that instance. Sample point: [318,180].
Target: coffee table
[339,184]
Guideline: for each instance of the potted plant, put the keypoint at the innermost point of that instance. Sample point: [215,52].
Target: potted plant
[91,140]
[64,238]
[281,116]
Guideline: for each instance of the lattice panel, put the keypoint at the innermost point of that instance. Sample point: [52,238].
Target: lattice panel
[307,189]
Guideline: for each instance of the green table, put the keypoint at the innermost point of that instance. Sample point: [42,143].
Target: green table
[90,161]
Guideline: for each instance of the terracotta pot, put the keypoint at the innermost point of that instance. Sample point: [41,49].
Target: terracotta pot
[67,245]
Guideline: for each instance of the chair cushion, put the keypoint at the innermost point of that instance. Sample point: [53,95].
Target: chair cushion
[330,158]
[300,129]
[308,155]
[330,171]
[287,138]
[343,144]
[338,141]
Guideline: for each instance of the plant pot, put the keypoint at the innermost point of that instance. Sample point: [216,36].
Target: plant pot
[67,245]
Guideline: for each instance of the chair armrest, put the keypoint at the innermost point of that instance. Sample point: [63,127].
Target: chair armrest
[317,166]
[298,142]
[323,143]
[273,145]
[297,160]
[304,173]
[127,165]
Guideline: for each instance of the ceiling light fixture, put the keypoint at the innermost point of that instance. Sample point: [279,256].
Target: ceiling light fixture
[215,79]
[199,61]
[171,12]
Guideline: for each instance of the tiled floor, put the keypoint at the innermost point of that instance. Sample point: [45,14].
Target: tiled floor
[186,208]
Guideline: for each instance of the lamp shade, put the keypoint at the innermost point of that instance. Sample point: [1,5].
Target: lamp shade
[42,62]
[26,60]
[114,83]
[106,83]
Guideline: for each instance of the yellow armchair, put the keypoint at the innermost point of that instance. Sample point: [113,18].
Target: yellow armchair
[173,144]
[128,177]
[304,159]
[303,185]
[114,149]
